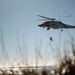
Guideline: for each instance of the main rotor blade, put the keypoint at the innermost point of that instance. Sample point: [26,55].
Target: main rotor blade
[47,17]
[68,16]
[43,20]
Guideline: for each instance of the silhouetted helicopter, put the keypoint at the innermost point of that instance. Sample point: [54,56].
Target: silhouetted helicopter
[53,23]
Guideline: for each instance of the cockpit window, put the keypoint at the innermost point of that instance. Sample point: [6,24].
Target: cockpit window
[59,22]
[46,22]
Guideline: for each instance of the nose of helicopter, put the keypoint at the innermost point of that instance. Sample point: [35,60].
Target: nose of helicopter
[39,25]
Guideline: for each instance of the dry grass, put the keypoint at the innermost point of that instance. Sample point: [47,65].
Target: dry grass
[66,63]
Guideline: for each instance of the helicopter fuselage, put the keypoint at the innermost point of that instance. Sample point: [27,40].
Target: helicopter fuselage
[55,25]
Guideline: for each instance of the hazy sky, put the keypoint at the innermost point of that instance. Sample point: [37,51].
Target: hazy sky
[19,17]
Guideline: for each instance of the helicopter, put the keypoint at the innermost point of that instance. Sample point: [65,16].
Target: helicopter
[53,23]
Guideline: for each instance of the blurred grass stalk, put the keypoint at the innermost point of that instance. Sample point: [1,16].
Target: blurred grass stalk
[4,56]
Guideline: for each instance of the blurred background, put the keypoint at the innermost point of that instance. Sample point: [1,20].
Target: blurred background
[23,43]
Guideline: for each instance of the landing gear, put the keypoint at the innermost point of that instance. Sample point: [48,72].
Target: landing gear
[48,28]
[61,29]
